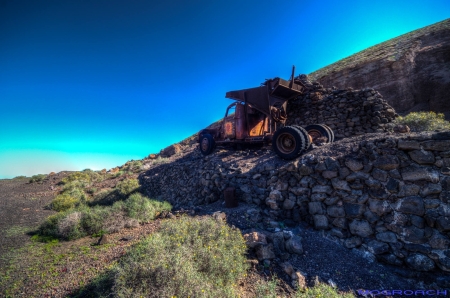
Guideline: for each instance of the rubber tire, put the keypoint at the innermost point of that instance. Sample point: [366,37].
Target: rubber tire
[322,131]
[210,145]
[295,134]
[305,136]
[330,131]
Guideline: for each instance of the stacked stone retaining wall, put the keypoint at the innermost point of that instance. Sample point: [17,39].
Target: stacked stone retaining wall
[387,196]
[348,112]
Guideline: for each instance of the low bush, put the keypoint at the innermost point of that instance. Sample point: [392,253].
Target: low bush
[91,190]
[87,177]
[37,178]
[127,186]
[74,184]
[144,209]
[133,166]
[424,121]
[64,202]
[76,222]
[188,257]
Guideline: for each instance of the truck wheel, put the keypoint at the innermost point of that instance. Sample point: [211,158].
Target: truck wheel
[330,131]
[305,136]
[319,133]
[207,144]
[288,142]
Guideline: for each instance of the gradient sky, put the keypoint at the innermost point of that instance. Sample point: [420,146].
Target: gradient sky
[92,84]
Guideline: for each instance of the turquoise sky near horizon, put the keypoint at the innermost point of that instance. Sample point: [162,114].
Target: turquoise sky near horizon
[93,84]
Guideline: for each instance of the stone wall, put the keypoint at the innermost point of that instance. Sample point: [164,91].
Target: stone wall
[387,196]
[348,112]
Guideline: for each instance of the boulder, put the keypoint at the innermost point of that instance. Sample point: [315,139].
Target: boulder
[360,228]
[340,184]
[320,222]
[294,245]
[420,262]
[388,237]
[377,247]
[335,211]
[265,252]
[386,162]
[416,173]
[354,164]
[354,210]
[288,204]
[408,145]
[254,239]
[410,205]
[422,157]
[443,145]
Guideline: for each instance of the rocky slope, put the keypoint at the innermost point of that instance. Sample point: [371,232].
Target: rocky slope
[411,71]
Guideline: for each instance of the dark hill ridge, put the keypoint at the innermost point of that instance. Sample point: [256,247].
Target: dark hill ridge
[411,71]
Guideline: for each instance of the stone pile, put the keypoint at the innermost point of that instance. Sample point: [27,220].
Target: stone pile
[348,112]
[388,197]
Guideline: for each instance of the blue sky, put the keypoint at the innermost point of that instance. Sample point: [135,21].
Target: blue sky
[92,84]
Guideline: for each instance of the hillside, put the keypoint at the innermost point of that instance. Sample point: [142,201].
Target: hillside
[411,71]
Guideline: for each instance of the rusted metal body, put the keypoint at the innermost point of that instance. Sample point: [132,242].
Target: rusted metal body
[258,112]
[258,115]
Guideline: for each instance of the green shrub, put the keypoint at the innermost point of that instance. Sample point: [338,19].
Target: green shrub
[424,121]
[64,202]
[92,221]
[91,190]
[74,184]
[49,228]
[133,166]
[86,177]
[38,178]
[188,257]
[73,223]
[127,186]
[267,288]
[144,209]
[20,177]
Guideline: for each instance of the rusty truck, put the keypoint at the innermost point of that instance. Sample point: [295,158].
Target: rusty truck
[258,116]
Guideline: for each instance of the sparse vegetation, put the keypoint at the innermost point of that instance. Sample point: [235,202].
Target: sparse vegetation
[127,186]
[74,223]
[267,288]
[322,290]
[17,230]
[133,166]
[143,209]
[160,160]
[87,176]
[37,178]
[424,121]
[188,257]
[64,201]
